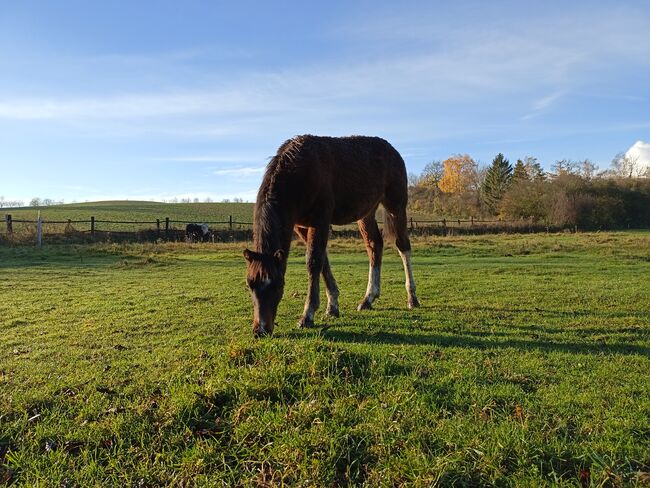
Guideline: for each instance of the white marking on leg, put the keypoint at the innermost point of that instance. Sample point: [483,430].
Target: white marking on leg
[408,272]
[313,300]
[372,291]
[331,289]
[332,298]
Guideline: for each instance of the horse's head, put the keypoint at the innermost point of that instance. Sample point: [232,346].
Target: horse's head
[265,280]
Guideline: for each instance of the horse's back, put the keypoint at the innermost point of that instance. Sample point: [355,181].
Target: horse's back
[349,176]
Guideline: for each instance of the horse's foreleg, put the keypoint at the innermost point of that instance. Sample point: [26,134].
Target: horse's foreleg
[315,257]
[374,246]
[331,287]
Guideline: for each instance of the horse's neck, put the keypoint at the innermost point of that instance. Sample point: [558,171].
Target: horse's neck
[272,231]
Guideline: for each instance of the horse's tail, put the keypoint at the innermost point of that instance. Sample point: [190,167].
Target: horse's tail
[390,225]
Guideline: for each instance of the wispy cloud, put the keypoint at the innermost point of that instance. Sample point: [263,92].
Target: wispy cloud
[541,105]
[242,172]
[476,65]
[235,158]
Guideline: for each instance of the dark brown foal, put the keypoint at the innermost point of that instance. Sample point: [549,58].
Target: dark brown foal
[310,184]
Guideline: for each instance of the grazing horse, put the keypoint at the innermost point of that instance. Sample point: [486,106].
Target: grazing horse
[311,183]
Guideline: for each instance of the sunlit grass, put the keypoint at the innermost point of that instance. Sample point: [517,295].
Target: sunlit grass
[134,365]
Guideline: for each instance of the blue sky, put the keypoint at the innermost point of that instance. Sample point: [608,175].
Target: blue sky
[155,100]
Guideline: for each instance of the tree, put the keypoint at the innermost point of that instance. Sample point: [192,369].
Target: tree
[497,181]
[565,167]
[627,166]
[586,169]
[35,202]
[432,174]
[519,172]
[459,174]
[534,169]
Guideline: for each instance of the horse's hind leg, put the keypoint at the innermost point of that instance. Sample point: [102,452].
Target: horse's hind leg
[374,246]
[396,222]
[331,288]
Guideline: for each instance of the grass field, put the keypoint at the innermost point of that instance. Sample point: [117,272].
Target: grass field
[527,365]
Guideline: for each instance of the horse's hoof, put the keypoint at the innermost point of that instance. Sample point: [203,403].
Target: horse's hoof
[365,305]
[306,323]
[332,312]
[414,303]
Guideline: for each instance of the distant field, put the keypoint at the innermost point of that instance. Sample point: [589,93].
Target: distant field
[133,210]
[134,365]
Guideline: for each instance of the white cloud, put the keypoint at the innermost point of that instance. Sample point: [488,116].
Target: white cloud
[640,151]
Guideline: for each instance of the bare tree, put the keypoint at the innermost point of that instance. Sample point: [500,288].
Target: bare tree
[432,174]
[627,166]
[587,169]
[413,180]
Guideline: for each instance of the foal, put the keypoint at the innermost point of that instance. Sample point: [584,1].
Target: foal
[311,183]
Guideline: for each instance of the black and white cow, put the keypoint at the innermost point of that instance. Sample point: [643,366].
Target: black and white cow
[197,232]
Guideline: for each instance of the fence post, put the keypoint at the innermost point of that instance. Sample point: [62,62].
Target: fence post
[39,230]
[230,222]
[471,222]
[411,223]
[92,226]
[167,227]
[10,227]
[158,227]
[444,227]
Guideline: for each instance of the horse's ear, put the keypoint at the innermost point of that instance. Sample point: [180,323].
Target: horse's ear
[249,255]
[279,255]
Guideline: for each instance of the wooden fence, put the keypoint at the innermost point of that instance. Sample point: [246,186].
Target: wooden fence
[232,229]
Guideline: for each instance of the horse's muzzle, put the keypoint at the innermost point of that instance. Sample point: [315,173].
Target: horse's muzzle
[260,331]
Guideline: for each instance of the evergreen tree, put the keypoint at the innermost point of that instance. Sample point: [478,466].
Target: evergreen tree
[520,172]
[496,182]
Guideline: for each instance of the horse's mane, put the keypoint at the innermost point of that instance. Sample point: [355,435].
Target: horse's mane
[267,219]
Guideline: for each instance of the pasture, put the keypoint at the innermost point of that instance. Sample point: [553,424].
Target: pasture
[134,365]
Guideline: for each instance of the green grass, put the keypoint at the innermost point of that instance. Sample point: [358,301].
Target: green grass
[134,365]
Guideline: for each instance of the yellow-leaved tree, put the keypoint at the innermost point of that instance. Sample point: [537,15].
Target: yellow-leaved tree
[460,174]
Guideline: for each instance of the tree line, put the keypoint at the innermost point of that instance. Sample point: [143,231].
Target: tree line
[572,193]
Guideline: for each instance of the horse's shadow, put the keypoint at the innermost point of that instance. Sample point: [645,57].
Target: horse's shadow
[343,332]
